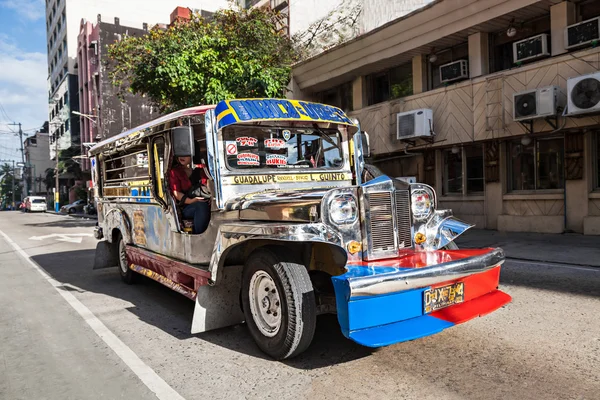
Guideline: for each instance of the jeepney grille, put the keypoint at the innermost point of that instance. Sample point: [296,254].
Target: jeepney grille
[403,219]
[381,221]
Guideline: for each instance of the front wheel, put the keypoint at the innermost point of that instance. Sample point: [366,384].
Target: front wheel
[279,303]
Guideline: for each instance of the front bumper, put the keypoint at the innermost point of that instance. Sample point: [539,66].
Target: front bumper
[382,302]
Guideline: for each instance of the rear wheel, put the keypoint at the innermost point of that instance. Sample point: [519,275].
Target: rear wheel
[127,275]
[279,303]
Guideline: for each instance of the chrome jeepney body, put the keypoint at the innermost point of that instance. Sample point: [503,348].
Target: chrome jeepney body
[377,251]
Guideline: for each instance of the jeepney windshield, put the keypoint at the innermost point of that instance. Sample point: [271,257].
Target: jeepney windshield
[255,147]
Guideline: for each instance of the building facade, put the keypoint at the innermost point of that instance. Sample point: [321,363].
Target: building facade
[457,58]
[63,18]
[104,113]
[37,161]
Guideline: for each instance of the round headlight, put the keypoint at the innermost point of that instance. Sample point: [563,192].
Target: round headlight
[422,203]
[343,209]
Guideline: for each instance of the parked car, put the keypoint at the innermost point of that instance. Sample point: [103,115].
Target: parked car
[35,203]
[75,207]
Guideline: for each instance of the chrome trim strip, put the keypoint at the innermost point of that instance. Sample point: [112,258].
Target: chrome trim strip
[403,280]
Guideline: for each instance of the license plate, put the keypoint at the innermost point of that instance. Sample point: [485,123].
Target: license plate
[438,298]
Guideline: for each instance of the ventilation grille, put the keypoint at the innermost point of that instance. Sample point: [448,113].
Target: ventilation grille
[381,222]
[406,126]
[525,105]
[403,219]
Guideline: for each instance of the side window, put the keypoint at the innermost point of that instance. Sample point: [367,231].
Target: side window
[127,176]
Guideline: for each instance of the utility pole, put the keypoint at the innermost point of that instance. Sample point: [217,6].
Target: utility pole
[26,189]
[56,187]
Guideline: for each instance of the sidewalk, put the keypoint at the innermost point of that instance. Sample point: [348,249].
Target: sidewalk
[567,248]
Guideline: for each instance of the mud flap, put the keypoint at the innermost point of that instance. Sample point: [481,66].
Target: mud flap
[106,255]
[219,306]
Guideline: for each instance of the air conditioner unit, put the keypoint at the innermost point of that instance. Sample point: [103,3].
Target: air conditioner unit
[583,93]
[582,33]
[537,103]
[454,71]
[413,124]
[531,48]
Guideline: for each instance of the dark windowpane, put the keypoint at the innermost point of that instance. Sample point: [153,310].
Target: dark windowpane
[598,160]
[522,165]
[401,81]
[452,178]
[474,156]
[378,88]
[550,164]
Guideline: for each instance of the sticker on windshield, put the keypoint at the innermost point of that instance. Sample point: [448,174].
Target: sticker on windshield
[231,148]
[247,141]
[276,159]
[248,159]
[275,144]
[287,134]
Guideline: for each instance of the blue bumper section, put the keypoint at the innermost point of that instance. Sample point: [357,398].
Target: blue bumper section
[399,331]
[383,320]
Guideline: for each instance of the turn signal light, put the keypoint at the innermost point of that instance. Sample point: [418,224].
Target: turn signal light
[420,238]
[353,247]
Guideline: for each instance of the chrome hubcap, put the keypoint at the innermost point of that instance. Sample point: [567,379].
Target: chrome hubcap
[265,304]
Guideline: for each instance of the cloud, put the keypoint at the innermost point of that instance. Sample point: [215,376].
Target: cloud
[31,10]
[23,91]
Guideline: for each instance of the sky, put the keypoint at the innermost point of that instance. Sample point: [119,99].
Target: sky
[23,72]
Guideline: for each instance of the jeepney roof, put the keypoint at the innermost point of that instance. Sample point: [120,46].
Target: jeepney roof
[237,111]
[144,129]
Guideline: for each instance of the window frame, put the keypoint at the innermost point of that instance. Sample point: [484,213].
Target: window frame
[463,164]
[535,190]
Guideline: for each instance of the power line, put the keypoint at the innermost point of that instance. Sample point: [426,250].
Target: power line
[3,111]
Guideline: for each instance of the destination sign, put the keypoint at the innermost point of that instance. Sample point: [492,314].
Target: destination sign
[287,178]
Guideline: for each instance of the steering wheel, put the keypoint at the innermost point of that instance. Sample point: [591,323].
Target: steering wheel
[307,162]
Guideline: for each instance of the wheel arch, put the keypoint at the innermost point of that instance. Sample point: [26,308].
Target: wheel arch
[116,222]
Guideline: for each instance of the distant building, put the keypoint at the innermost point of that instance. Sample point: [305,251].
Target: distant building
[104,114]
[63,18]
[38,161]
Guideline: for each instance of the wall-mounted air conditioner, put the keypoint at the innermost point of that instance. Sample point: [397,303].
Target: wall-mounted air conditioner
[538,103]
[583,93]
[531,48]
[413,124]
[454,71]
[582,33]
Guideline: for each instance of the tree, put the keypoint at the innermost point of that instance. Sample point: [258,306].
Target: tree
[6,183]
[234,54]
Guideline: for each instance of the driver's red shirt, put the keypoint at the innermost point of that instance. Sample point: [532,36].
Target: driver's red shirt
[178,179]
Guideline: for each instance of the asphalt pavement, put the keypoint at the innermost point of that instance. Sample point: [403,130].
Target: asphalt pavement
[544,344]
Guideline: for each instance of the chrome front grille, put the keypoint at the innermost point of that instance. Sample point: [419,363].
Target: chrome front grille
[403,220]
[381,222]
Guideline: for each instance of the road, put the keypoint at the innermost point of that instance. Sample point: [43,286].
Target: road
[545,344]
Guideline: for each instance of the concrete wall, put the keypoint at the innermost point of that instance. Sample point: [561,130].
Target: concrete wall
[379,12]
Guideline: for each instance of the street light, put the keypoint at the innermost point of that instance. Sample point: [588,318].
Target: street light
[87,116]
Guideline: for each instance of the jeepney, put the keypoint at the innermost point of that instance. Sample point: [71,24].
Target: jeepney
[300,226]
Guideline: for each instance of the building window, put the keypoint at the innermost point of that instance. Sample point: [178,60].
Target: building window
[452,174]
[340,96]
[66,125]
[474,167]
[537,165]
[391,84]
[463,171]
[597,160]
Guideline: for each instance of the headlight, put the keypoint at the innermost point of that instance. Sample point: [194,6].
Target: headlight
[422,202]
[343,209]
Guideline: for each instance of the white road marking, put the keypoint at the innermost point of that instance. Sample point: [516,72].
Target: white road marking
[63,237]
[146,374]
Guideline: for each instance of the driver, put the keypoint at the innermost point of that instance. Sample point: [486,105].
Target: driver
[195,208]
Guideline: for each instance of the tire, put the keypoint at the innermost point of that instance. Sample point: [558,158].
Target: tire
[127,275]
[283,321]
[70,211]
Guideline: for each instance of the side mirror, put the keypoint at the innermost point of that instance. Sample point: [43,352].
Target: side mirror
[183,141]
[366,144]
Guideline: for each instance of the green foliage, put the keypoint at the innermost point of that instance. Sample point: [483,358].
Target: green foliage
[234,54]
[6,184]
[66,163]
